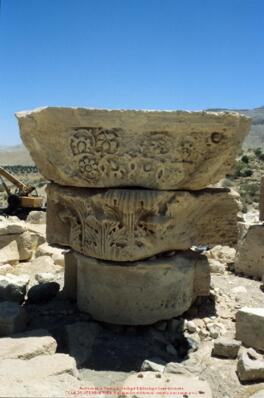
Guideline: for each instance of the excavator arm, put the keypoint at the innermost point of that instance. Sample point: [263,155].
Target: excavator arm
[24,190]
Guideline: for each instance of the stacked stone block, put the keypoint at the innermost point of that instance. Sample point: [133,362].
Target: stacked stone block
[129,195]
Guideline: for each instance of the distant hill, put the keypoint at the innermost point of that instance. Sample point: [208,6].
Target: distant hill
[13,155]
[255,138]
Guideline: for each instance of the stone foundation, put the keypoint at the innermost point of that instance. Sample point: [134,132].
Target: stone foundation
[137,293]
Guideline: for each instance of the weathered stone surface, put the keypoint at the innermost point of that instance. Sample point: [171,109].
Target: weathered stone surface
[13,288]
[27,345]
[250,254]
[159,385]
[249,369]
[11,225]
[259,394]
[152,149]
[16,247]
[37,368]
[143,292]
[60,386]
[226,347]
[45,277]
[36,217]
[223,254]
[152,366]
[13,318]
[250,327]
[54,252]
[131,224]
[80,338]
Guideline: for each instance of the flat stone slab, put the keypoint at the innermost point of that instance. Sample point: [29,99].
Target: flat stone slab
[132,224]
[225,347]
[250,255]
[152,149]
[140,385]
[250,327]
[249,369]
[27,345]
[11,226]
[143,292]
[37,368]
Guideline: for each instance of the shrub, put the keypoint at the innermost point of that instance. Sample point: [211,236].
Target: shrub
[246,173]
[258,152]
[245,159]
[239,166]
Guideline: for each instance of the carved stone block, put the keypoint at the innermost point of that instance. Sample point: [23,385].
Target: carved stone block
[152,149]
[250,255]
[132,224]
[143,292]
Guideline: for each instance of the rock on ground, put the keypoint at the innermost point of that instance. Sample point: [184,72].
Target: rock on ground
[36,217]
[163,385]
[226,347]
[60,386]
[55,253]
[27,345]
[223,254]
[259,394]
[16,247]
[250,327]
[250,254]
[250,369]
[13,288]
[37,368]
[152,366]
[45,277]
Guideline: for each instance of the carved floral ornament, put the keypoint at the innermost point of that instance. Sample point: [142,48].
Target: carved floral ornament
[96,151]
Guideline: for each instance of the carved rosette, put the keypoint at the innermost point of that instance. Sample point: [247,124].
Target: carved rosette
[90,146]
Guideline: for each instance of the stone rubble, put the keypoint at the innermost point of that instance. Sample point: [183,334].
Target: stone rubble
[250,255]
[250,369]
[250,327]
[226,347]
[13,288]
[27,345]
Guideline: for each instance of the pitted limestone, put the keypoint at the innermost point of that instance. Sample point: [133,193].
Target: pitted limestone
[144,292]
[152,149]
[132,224]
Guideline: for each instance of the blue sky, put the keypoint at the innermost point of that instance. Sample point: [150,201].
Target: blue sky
[149,54]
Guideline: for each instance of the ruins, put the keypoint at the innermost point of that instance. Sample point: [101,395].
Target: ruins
[131,193]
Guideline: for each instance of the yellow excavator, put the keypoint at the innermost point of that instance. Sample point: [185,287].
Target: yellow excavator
[25,196]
